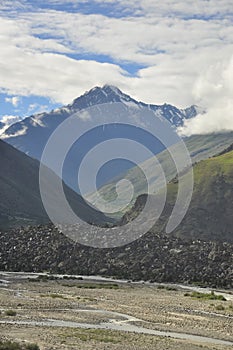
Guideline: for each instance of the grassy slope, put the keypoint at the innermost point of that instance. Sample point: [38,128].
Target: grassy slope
[210,212]
[209,216]
[199,146]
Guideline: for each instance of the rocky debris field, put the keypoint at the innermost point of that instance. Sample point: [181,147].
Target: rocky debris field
[153,257]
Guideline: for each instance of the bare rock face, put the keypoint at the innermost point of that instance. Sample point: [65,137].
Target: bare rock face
[154,257]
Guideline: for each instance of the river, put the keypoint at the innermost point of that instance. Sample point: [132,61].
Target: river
[125,325]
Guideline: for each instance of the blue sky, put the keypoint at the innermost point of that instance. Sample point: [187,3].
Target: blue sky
[175,51]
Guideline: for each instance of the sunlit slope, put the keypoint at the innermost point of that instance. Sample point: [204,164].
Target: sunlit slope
[199,146]
[209,216]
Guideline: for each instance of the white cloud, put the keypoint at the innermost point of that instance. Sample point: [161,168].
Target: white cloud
[8,120]
[15,100]
[213,89]
[21,132]
[178,8]
[12,4]
[36,108]
[26,71]
[134,39]
[177,41]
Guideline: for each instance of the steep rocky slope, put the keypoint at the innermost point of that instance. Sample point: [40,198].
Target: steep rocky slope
[153,257]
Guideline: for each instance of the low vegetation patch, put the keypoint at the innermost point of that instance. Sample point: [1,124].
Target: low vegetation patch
[205,296]
[95,335]
[220,308]
[46,278]
[169,288]
[10,313]
[98,285]
[53,296]
[200,284]
[9,345]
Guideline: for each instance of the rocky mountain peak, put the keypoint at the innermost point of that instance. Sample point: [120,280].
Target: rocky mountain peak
[99,95]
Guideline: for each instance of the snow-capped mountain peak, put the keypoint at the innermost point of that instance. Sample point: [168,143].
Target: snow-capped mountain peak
[31,134]
[95,96]
[99,95]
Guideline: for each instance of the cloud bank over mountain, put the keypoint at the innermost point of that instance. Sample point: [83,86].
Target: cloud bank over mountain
[8,120]
[214,89]
[156,52]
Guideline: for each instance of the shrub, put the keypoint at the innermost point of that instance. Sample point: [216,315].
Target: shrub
[98,285]
[53,296]
[9,345]
[220,307]
[171,289]
[10,313]
[207,296]
[32,347]
[161,287]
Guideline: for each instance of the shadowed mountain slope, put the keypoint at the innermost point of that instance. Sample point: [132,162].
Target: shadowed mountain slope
[20,201]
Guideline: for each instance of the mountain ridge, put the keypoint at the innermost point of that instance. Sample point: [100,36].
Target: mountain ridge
[116,95]
[20,200]
[101,95]
[31,134]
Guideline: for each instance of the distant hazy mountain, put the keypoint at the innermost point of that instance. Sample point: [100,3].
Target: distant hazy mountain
[209,216]
[20,201]
[31,134]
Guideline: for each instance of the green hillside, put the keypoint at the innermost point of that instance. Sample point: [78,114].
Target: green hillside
[200,147]
[209,216]
[210,213]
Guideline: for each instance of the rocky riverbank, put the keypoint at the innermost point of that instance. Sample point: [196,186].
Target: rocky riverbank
[154,257]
